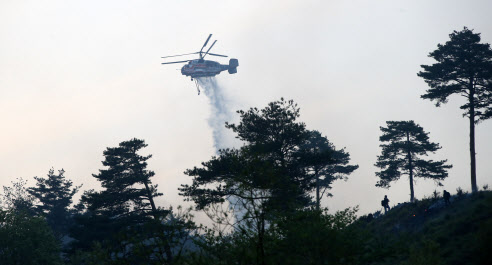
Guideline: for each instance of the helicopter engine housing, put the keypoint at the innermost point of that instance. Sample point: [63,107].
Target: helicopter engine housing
[233,64]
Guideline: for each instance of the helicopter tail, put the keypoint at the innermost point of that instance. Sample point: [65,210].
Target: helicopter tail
[233,64]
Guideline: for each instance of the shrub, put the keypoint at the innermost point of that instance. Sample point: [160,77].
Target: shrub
[460,192]
[436,195]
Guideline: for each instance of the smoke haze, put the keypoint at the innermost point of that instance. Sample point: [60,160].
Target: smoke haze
[75,79]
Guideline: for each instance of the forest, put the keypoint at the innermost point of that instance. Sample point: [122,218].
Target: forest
[264,198]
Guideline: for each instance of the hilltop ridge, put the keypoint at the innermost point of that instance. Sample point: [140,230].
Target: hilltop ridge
[429,232]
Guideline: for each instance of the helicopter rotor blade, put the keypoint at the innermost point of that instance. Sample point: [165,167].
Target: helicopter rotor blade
[177,62]
[209,49]
[209,36]
[220,55]
[211,46]
[180,55]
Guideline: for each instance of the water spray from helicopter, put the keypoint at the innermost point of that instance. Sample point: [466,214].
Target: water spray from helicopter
[220,112]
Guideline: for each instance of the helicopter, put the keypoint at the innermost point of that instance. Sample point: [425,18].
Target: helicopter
[200,67]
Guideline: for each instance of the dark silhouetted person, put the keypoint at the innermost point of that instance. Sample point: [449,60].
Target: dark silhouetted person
[446,197]
[385,203]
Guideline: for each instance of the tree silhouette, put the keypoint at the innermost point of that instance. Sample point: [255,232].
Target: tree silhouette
[55,196]
[17,197]
[126,201]
[464,67]
[261,179]
[316,151]
[406,144]
[270,176]
[128,189]
[278,157]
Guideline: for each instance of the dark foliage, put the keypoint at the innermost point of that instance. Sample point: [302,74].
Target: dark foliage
[316,151]
[54,195]
[124,205]
[270,177]
[25,240]
[168,240]
[17,197]
[316,237]
[426,233]
[278,164]
[306,237]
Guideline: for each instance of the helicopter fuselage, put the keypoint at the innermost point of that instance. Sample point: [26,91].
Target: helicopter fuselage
[203,68]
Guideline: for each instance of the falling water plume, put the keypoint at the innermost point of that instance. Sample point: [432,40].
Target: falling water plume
[220,112]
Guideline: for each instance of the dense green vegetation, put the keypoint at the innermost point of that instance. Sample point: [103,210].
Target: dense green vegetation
[25,239]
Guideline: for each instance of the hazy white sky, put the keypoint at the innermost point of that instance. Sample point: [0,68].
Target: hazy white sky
[79,76]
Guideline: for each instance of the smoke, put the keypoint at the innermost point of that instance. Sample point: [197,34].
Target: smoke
[220,112]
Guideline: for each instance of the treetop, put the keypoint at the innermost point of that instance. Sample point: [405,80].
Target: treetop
[464,66]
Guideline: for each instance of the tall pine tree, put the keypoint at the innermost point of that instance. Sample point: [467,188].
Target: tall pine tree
[464,67]
[406,143]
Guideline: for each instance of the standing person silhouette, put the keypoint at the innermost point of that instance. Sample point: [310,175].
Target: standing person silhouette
[385,204]
[446,197]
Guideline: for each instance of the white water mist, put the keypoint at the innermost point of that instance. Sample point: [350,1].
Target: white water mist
[220,112]
[223,137]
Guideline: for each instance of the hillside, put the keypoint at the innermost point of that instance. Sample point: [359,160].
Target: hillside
[428,232]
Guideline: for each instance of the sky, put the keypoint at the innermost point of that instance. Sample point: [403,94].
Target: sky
[77,77]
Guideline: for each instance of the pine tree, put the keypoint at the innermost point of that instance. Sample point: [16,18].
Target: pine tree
[269,177]
[407,142]
[128,190]
[464,67]
[54,195]
[126,201]
[280,157]
[316,151]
